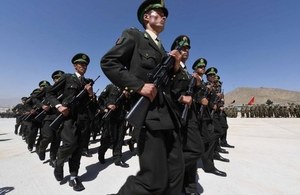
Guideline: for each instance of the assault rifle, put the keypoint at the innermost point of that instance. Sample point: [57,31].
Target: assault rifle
[59,119]
[217,99]
[40,117]
[36,110]
[202,107]
[40,94]
[158,77]
[117,102]
[189,92]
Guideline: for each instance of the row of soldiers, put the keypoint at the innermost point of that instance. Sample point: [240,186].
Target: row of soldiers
[176,118]
[270,111]
[106,116]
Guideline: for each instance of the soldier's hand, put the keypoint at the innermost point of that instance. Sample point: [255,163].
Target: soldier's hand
[46,107]
[204,101]
[186,99]
[198,79]
[112,107]
[64,110]
[149,90]
[215,107]
[88,87]
[126,93]
[178,56]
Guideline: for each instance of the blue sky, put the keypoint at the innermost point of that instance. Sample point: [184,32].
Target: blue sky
[253,43]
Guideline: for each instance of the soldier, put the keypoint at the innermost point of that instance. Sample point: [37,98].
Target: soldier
[215,98]
[115,126]
[127,64]
[36,98]
[25,122]
[207,127]
[223,119]
[49,135]
[193,146]
[75,122]
[18,111]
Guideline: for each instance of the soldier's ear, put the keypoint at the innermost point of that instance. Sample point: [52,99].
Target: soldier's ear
[146,17]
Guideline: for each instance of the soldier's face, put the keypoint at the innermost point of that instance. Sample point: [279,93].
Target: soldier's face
[80,68]
[156,19]
[201,70]
[185,53]
[211,77]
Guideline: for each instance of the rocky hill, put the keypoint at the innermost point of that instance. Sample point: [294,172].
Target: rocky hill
[242,95]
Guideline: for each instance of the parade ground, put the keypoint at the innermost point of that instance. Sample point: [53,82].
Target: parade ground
[265,160]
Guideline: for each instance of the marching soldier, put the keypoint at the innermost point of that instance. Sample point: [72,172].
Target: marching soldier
[49,135]
[204,103]
[127,64]
[192,142]
[36,98]
[75,122]
[115,126]
[18,111]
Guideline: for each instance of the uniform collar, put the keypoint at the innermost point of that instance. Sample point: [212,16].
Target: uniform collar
[78,75]
[152,34]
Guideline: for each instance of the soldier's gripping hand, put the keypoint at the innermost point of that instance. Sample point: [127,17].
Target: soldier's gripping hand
[64,110]
[149,90]
[46,107]
[88,87]
[177,55]
[204,101]
[186,99]
[111,107]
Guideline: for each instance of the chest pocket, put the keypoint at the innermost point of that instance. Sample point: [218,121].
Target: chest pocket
[149,58]
[71,90]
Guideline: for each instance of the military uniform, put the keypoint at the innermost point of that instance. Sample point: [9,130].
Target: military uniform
[75,124]
[18,111]
[207,126]
[115,127]
[193,146]
[36,97]
[49,135]
[127,64]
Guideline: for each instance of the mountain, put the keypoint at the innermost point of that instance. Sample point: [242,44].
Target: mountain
[242,95]
[9,102]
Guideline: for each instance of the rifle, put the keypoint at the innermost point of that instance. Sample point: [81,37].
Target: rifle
[40,117]
[158,77]
[117,102]
[217,99]
[59,119]
[28,116]
[206,92]
[38,95]
[189,92]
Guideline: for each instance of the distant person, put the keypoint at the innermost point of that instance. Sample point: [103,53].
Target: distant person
[18,111]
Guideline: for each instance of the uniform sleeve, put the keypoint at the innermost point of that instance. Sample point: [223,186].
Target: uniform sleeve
[51,92]
[116,62]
